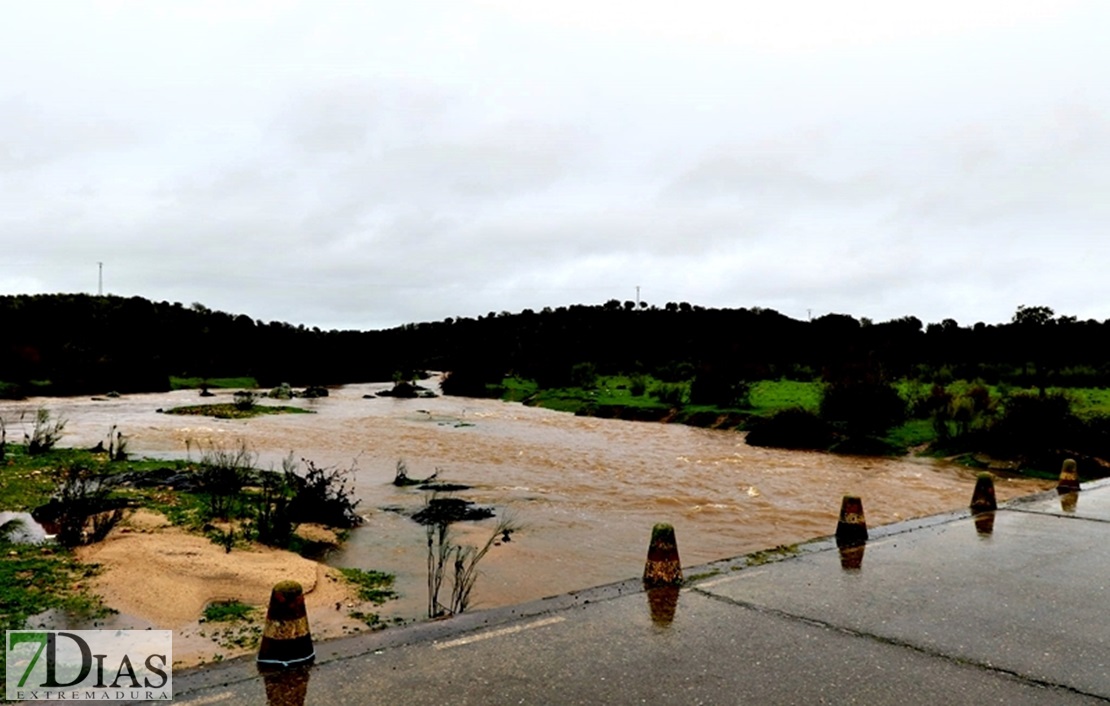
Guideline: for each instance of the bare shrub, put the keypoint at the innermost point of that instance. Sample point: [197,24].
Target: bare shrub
[462,560]
[244,400]
[45,433]
[81,495]
[223,474]
[323,495]
[274,524]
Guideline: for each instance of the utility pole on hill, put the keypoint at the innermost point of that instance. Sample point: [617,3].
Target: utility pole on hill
[100,279]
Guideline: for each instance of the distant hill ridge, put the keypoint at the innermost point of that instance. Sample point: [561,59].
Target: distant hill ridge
[79,343]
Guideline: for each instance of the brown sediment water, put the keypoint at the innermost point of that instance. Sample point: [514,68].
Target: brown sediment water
[585,491]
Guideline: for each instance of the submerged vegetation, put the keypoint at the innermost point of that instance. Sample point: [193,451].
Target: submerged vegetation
[235,410]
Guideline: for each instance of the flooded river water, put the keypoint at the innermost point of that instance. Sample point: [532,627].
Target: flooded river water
[585,491]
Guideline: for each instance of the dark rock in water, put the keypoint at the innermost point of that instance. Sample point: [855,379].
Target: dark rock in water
[314,391]
[368,397]
[206,393]
[113,394]
[442,487]
[281,392]
[405,390]
[447,510]
[402,479]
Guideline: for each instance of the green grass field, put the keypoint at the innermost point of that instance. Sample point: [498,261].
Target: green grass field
[195,383]
[766,398]
[769,396]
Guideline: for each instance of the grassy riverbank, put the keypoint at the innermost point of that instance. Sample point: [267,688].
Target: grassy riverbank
[950,420]
[241,527]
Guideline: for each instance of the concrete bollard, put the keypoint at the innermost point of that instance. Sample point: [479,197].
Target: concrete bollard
[984,523]
[286,640]
[851,556]
[1069,477]
[663,604]
[663,567]
[1069,501]
[852,527]
[286,687]
[982,499]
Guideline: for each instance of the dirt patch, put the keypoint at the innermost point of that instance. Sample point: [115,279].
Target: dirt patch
[164,577]
[320,534]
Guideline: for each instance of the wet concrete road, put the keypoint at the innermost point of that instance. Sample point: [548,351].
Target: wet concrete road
[943,610]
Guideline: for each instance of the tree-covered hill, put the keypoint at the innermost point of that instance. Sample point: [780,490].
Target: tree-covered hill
[77,343]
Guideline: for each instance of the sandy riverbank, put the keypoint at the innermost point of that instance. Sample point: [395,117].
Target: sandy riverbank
[162,577]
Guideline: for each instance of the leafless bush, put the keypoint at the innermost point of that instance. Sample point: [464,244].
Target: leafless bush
[272,520]
[323,495]
[44,432]
[462,560]
[81,496]
[223,474]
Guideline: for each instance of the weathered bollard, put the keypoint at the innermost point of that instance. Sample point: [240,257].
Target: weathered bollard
[287,687]
[663,604]
[851,556]
[984,523]
[852,527]
[663,567]
[1069,477]
[1069,501]
[982,499]
[286,640]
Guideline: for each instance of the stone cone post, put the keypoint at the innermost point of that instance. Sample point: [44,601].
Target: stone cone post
[1069,477]
[663,603]
[286,640]
[851,530]
[1069,501]
[984,523]
[286,687]
[663,567]
[983,500]
[851,556]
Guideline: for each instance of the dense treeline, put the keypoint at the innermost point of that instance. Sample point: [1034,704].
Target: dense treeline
[69,344]
[75,343]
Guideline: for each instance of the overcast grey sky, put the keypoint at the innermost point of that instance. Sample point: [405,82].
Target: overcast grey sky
[363,165]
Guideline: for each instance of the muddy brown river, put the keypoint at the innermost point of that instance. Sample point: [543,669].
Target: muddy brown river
[585,491]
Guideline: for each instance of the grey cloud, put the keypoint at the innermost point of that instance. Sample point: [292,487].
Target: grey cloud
[33,137]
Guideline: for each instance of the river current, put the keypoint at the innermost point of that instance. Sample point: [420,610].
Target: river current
[584,491]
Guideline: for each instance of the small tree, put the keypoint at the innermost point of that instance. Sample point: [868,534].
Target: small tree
[863,407]
[583,375]
[637,385]
[673,394]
